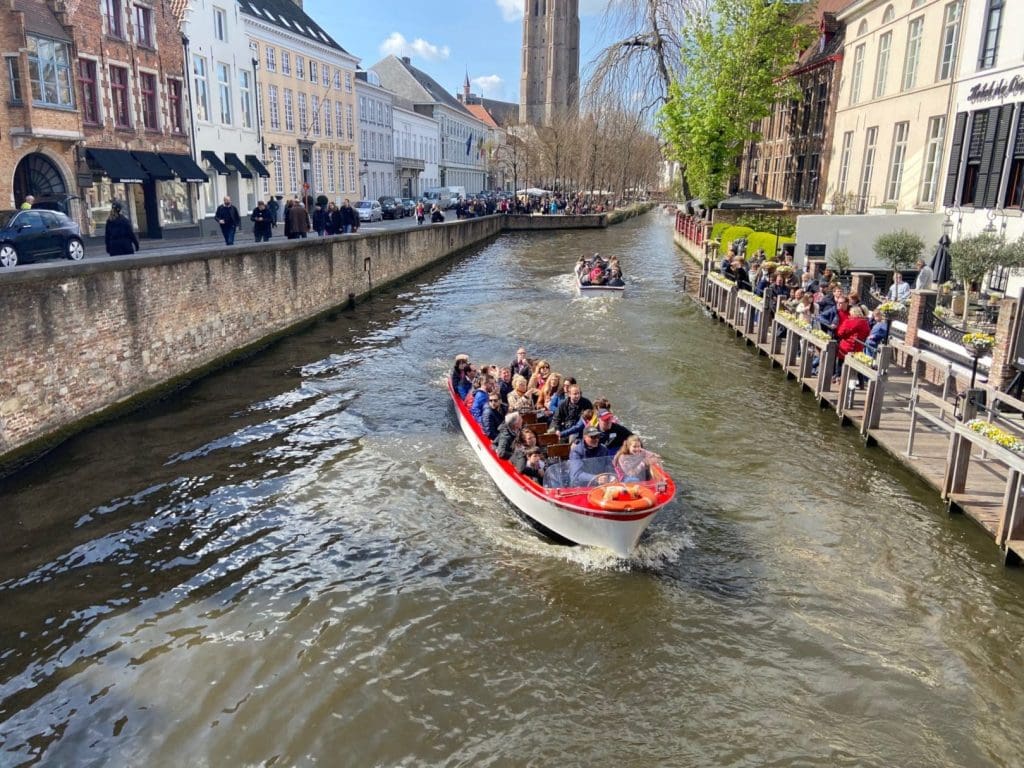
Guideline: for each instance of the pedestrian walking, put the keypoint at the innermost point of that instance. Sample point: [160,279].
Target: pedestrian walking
[275,211]
[420,213]
[229,220]
[261,222]
[298,221]
[120,238]
[320,220]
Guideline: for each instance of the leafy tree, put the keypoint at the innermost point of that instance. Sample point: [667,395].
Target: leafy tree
[840,260]
[898,249]
[734,56]
[974,256]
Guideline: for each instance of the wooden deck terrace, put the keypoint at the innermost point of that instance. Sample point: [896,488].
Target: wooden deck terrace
[905,402]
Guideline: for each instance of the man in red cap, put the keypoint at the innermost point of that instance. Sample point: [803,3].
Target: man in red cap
[613,434]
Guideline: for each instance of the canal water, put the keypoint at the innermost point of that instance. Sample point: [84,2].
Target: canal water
[298,561]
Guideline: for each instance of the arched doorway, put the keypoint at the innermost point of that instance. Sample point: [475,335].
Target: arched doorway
[37,175]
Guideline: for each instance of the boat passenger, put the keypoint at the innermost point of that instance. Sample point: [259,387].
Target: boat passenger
[540,375]
[507,434]
[613,434]
[551,388]
[615,277]
[570,409]
[596,276]
[493,415]
[480,397]
[460,377]
[504,383]
[588,458]
[575,432]
[529,462]
[521,364]
[558,397]
[633,462]
[520,398]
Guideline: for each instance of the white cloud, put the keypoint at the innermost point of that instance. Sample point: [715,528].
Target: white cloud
[511,10]
[491,86]
[397,45]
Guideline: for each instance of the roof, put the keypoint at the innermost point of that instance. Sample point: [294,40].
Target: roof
[502,112]
[481,114]
[400,76]
[291,18]
[40,19]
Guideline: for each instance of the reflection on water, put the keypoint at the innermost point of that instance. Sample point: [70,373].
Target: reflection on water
[298,560]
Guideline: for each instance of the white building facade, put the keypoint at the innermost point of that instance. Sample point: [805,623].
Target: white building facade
[222,86]
[416,151]
[376,145]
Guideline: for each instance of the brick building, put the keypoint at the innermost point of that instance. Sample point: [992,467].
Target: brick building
[132,102]
[790,162]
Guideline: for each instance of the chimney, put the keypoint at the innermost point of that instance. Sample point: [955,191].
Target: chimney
[407,61]
[298,3]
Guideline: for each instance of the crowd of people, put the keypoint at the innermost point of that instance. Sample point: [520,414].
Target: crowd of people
[596,270]
[820,300]
[517,403]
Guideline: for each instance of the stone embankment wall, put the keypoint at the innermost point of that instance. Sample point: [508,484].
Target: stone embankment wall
[540,222]
[81,339]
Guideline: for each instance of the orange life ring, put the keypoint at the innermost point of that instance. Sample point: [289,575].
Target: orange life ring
[620,497]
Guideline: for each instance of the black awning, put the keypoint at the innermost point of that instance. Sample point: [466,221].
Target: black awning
[234,161]
[185,168]
[154,165]
[254,162]
[117,164]
[216,163]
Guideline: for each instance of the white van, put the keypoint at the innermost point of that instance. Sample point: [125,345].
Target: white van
[457,194]
[439,195]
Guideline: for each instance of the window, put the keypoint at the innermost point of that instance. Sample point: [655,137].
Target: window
[337,79]
[975,149]
[147,90]
[202,105]
[293,169]
[144,26]
[14,78]
[300,67]
[870,141]
[805,125]
[224,92]
[857,74]
[49,72]
[819,116]
[88,89]
[348,122]
[882,68]
[844,161]
[289,116]
[348,82]
[328,125]
[896,161]
[990,34]
[352,170]
[279,171]
[325,79]
[316,115]
[174,106]
[286,63]
[245,94]
[933,158]
[220,24]
[330,170]
[313,71]
[913,53]
[119,96]
[303,114]
[337,119]
[112,18]
[889,15]
[271,59]
[319,155]
[950,40]
[275,108]
[798,181]
[1015,185]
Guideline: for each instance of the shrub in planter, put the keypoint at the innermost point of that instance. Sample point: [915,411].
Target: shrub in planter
[718,229]
[733,233]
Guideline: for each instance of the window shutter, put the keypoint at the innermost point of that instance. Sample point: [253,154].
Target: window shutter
[987,150]
[995,171]
[1018,144]
[953,174]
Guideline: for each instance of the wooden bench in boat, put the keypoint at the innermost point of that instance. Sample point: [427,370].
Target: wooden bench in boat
[558,451]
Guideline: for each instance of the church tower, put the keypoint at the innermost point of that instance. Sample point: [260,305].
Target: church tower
[550,83]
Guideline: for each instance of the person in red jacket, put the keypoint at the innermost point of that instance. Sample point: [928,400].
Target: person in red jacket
[852,332]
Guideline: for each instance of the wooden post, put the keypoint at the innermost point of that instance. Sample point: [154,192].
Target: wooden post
[765,324]
[876,389]
[959,458]
[1011,502]
[825,367]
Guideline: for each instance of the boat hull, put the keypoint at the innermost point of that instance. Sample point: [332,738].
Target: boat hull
[598,290]
[565,511]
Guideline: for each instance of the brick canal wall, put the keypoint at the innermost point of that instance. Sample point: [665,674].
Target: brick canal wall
[82,339]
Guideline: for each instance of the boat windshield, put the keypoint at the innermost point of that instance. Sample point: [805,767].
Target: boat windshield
[559,476]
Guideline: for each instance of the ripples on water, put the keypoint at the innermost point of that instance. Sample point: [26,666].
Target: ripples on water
[297,560]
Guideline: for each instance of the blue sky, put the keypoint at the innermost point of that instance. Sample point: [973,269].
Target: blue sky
[445,38]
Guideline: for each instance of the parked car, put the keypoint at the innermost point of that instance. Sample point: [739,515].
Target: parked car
[410,206]
[37,234]
[391,207]
[369,210]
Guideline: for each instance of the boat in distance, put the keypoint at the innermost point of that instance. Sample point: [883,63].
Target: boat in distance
[587,289]
[612,515]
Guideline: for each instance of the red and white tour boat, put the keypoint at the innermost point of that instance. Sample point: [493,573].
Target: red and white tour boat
[613,515]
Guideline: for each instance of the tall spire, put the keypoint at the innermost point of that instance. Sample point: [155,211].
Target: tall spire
[465,89]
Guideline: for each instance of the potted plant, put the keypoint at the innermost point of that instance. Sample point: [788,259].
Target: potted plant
[898,249]
[978,344]
[840,261]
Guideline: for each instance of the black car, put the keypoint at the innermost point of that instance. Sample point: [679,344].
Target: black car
[391,207]
[38,234]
